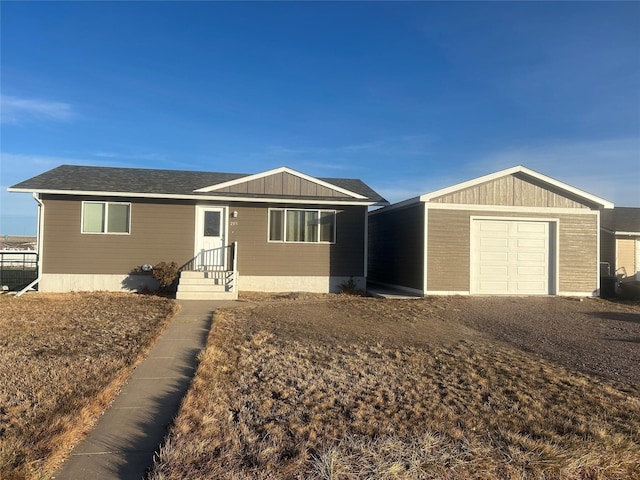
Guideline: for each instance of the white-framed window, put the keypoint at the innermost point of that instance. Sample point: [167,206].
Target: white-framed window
[296,225]
[106,217]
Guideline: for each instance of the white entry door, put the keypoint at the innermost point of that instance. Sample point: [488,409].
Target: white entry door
[210,238]
[510,257]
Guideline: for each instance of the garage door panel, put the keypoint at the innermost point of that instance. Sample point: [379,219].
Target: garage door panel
[540,243]
[533,257]
[488,242]
[494,270]
[494,227]
[494,286]
[494,256]
[510,257]
[523,270]
[530,287]
[531,227]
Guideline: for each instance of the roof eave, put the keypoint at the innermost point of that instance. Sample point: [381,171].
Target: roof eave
[226,198]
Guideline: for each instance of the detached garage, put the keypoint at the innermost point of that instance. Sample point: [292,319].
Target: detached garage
[514,232]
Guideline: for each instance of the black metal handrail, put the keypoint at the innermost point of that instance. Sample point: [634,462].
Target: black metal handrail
[221,259]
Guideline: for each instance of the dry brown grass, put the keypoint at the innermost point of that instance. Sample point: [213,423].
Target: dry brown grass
[357,388]
[63,358]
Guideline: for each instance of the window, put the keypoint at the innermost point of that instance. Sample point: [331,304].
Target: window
[211,224]
[302,226]
[105,217]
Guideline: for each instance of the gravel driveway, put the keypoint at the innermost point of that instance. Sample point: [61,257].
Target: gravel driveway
[591,335]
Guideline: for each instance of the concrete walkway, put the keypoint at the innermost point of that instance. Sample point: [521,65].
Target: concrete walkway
[122,444]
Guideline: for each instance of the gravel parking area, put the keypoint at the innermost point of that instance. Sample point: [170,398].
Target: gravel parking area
[591,335]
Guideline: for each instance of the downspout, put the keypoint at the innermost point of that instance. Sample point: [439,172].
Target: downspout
[39,232]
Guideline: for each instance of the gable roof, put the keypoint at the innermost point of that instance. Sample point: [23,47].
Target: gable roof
[151,183]
[601,202]
[275,171]
[621,220]
[519,169]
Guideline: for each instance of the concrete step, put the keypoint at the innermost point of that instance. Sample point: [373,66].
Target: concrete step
[207,295]
[195,287]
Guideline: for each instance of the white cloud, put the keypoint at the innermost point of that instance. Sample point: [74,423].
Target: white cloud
[16,110]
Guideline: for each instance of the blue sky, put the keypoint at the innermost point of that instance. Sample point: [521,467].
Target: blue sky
[409,97]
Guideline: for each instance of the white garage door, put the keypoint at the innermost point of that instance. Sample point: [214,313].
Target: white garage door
[510,257]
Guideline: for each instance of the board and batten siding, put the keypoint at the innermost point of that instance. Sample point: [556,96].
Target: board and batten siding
[396,247]
[160,231]
[511,190]
[259,257]
[282,184]
[449,244]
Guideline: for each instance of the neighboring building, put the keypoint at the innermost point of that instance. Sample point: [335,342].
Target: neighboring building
[17,242]
[279,230]
[514,232]
[620,241]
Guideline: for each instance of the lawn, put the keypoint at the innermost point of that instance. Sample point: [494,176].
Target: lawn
[63,358]
[355,388]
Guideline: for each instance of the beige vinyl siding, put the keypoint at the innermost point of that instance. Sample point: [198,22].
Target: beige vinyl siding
[283,184]
[578,253]
[396,247]
[258,257]
[164,231]
[449,249]
[626,257]
[511,190]
[160,231]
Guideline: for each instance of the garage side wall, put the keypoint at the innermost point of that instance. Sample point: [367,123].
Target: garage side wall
[608,249]
[396,247]
[448,268]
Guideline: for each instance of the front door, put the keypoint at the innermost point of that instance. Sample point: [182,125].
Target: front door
[210,238]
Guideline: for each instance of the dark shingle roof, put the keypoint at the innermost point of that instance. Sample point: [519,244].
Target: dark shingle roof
[621,219]
[158,182]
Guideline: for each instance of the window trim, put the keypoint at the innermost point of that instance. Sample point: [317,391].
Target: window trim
[319,211]
[106,218]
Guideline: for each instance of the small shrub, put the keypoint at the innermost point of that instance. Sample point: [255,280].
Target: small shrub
[165,274]
[350,287]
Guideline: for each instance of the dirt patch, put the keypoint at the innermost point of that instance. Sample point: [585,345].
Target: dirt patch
[336,318]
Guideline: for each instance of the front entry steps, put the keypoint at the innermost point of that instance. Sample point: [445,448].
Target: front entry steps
[207,285]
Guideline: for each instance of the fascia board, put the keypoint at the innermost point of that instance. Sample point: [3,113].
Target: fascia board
[510,171]
[222,198]
[394,206]
[273,172]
